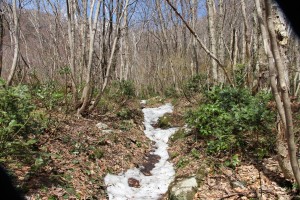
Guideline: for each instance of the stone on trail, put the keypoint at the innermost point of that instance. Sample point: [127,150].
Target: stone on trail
[102,126]
[184,189]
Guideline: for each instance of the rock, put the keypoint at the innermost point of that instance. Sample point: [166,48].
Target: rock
[107,131]
[187,129]
[101,126]
[184,189]
[143,104]
[237,184]
[132,182]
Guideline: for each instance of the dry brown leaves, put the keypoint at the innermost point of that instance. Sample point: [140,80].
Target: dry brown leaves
[80,155]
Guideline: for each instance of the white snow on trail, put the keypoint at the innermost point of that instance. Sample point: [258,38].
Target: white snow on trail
[151,187]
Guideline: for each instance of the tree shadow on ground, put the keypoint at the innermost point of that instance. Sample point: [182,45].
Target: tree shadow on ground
[272,175]
[42,178]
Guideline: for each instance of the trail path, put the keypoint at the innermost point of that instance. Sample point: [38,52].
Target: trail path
[150,181]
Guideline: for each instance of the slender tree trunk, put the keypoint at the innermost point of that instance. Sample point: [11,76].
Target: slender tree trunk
[84,33]
[16,43]
[209,53]
[194,42]
[221,48]
[289,133]
[246,46]
[280,143]
[234,52]
[212,38]
[246,32]
[162,25]
[93,28]
[71,37]
[112,57]
[1,36]
[281,96]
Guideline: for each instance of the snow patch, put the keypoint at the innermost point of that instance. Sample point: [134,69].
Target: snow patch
[151,187]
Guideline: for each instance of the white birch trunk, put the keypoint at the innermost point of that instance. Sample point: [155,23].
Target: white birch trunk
[16,43]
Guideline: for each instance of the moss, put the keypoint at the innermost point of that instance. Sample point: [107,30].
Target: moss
[174,155]
[164,122]
[180,134]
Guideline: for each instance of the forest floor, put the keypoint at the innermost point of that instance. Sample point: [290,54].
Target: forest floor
[77,155]
[242,178]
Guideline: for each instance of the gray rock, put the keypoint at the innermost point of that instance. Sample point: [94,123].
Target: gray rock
[107,131]
[143,103]
[237,184]
[184,189]
[101,126]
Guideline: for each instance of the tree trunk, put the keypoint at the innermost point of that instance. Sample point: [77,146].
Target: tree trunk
[209,53]
[112,56]
[221,49]
[289,133]
[194,45]
[281,97]
[1,36]
[71,37]
[212,38]
[85,99]
[16,43]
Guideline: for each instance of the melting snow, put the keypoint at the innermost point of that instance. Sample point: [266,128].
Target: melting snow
[151,187]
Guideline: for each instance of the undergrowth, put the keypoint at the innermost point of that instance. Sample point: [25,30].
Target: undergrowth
[230,117]
[19,121]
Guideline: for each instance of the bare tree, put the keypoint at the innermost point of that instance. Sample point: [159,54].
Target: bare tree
[212,55]
[85,99]
[15,33]
[194,8]
[212,39]
[71,37]
[282,99]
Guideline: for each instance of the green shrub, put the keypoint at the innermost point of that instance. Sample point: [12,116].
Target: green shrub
[170,92]
[227,114]
[179,134]
[49,96]
[16,119]
[240,75]
[120,89]
[124,113]
[195,84]
[164,121]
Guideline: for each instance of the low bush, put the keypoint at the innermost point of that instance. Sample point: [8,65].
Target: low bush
[17,120]
[196,84]
[227,115]
[49,96]
[121,89]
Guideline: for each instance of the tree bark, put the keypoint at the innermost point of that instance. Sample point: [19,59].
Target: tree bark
[212,39]
[93,28]
[221,48]
[112,56]
[289,133]
[16,43]
[1,36]
[281,97]
[194,45]
[71,37]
